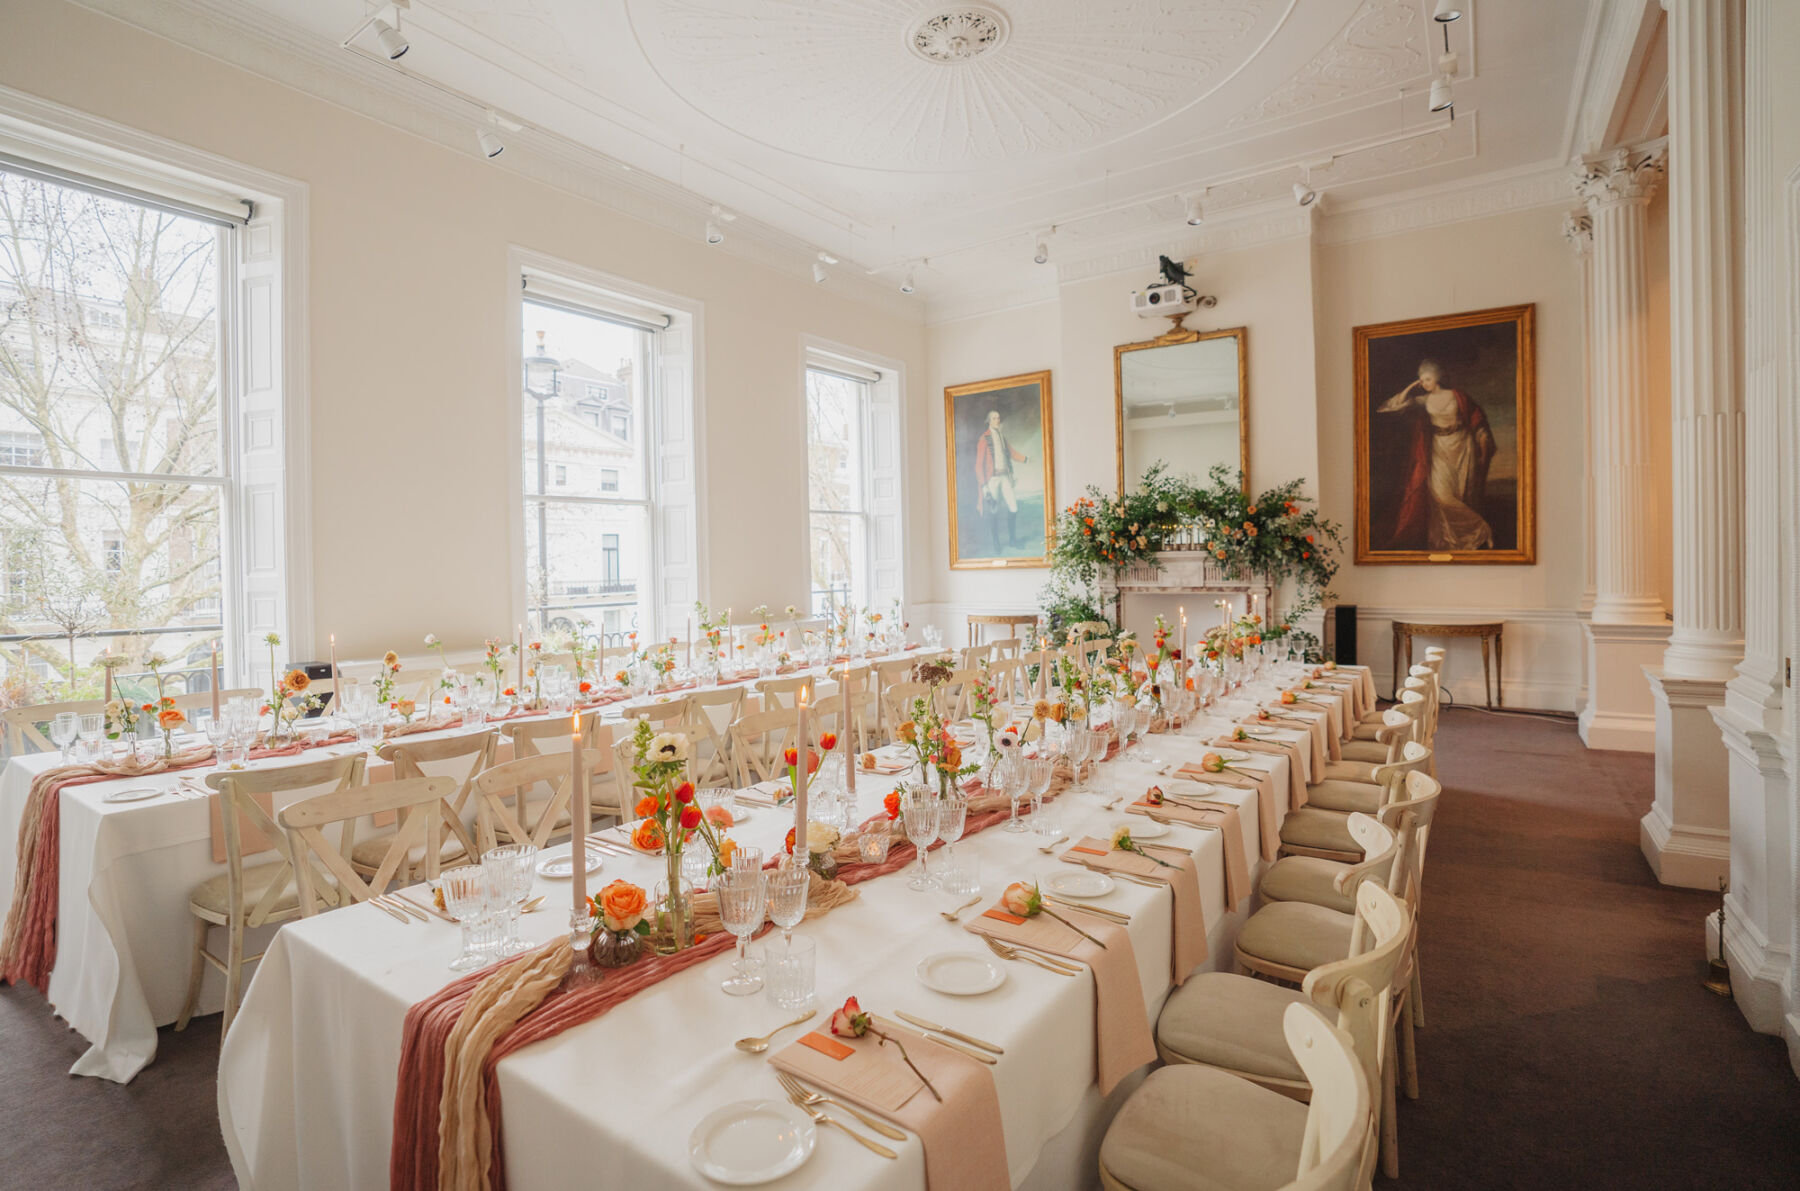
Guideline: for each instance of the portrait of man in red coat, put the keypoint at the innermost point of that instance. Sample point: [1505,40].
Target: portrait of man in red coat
[998,500]
[999,470]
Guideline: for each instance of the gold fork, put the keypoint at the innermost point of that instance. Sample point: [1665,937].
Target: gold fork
[822,1119]
[1031,957]
[812,1098]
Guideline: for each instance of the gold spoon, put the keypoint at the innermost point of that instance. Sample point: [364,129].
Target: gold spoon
[953,915]
[535,904]
[755,1046]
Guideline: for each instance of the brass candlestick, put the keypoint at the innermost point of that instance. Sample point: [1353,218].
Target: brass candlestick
[1718,974]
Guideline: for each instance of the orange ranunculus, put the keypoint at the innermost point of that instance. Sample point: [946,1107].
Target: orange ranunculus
[1289,698]
[1059,712]
[952,757]
[586,687]
[646,806]
[648,836]
[1189,683]
[391,660]
[908,731]
[296,681]
[828,740]
[719,816]
[622,905]
[170,719]
[891,804]
[509,692]
[727,849]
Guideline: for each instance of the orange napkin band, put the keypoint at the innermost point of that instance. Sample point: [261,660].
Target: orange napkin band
[830,1047]
[1088,850]
[999,915]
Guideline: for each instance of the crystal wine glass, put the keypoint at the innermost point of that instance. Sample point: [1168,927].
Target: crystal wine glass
[514,866]
[787,898]
[466,898]
[920,813]
[953,816]
[743,898]
[63,731]
[93,727]
[1011,783]
[1038,773]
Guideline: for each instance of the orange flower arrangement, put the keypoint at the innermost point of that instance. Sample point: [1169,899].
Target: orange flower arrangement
[170,718]
[620,907]
[648,836]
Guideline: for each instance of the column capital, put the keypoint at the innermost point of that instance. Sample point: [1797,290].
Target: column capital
[1578,230]
[1624,175]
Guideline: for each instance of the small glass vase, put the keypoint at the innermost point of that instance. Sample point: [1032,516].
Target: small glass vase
[615,949]
[672,918]
[825,864]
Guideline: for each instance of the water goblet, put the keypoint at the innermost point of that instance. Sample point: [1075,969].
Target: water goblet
[465,892]
[791,975]
[510,871]
[93,728]
[787,897]
[747,859]
[920,812]
[64,728]
[953,817]
[1038,774]
[218,733]
[743,898]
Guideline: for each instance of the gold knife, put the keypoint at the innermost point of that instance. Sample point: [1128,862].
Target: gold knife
[921,1023]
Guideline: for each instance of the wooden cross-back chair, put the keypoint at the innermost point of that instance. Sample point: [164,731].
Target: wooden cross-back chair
[971,656]
[1323,832]
[710,716]
[28,728]
[953,692]
[460,757]
[669,715]
[1006,649]
[417,802]
[246,896]
[897,703]
[758,741]
[542,737]
[505,808]
[1399,726]
[781,692]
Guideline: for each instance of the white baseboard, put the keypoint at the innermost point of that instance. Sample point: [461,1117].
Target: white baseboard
[1687,857]
[1759,971]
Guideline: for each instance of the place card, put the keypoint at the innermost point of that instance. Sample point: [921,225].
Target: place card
[830,1047]
[866,1074]
[1108,857]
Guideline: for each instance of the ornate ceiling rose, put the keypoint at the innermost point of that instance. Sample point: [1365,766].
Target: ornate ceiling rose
[957,34]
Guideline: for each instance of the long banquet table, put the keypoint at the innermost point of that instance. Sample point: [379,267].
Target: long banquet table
[307,1074]
[124,931]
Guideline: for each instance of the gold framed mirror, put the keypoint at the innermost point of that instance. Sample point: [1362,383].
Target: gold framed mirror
[1183,398]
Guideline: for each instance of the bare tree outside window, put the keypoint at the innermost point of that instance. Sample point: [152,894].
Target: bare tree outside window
[834,420]
[111,474]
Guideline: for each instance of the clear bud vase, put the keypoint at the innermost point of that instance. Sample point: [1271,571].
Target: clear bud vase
[672,922]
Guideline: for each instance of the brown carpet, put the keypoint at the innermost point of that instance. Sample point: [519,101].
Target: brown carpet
[1568,1042]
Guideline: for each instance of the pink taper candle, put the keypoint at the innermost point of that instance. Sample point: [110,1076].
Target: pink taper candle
[337,680]
[519,686]
[105,656]
[847,723]
[583,817]
[800,750]
[215,680]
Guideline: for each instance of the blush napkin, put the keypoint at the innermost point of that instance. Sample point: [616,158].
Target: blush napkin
[965,1145]
[1223,817]
[1277,748]
[1122,1038]
[1188,948]
[1237,779]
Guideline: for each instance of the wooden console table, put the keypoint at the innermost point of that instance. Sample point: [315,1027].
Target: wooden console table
[1011,620]
[1405,631]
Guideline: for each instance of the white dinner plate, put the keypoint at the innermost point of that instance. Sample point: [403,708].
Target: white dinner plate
[751,1141]
[1198,790]
[1233,755]
[133,794]
[1081,883]
[564,865]
[1262,731]
[1143,828]
[960,973]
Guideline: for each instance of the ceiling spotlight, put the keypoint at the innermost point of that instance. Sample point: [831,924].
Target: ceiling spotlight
[490,142]
[1441,98]
[906,283]
[1041,253]
[827,257]
[1305,195]
[1194,215]
[393,43]
[714,233]
[1446,11]
[819,273]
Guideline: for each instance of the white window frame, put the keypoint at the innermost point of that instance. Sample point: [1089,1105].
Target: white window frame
[265,431]
[883,426]
[675,455]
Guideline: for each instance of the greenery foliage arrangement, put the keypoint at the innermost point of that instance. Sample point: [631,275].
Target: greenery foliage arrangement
[1278,533]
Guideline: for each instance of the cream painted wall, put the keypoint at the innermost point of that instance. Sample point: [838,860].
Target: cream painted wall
[410,371]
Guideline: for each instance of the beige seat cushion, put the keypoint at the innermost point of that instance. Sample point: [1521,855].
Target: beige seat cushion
[1366,730]
[1334,795]
[213,895]
[1297,935]
[369,853]
[1320,829]
[1231,1021]
[1306,879]
[1197,1129]
[1371,751]
[1347,771]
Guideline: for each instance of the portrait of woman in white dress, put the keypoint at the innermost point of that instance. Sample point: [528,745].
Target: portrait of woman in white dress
[1445,440]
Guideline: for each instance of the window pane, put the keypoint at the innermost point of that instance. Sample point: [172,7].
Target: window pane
[586,378]
[836,548]
[109,333]
[834,432]
[594,563]
[91,557]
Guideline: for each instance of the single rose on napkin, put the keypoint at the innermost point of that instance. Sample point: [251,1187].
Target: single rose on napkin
[620,907]
[1024,900]
[1122,842]
[1154,796]
[868,760]
[1238,733]
[852,1022]
[1289,698]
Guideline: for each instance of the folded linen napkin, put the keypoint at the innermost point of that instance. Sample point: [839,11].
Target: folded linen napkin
[1222,816]
[965,1146]
[1188,948]
[1240,779]
[1122,1038]
[1277,748]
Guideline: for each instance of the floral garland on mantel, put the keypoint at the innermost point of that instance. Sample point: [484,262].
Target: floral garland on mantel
[1278,534]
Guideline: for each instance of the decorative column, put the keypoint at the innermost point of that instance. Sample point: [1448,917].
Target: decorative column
[1686,835]
[1628,628]
[1578,230]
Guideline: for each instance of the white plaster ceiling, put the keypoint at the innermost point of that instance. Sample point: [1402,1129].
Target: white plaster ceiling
[822,122]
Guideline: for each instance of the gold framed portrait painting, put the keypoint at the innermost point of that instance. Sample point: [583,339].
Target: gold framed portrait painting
[1002,490]
[1446,447]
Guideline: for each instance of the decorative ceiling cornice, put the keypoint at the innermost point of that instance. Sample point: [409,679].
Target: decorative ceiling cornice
[1543,185]
[248,40]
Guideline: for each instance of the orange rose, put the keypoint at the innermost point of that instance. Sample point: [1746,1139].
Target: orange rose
[405,706]
[648,836]
[952,757]
[170,719]
[727,850]
[1212,763]
[1289,698]
[622,905]
[296,681]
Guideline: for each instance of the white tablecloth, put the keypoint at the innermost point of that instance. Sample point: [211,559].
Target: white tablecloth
[307,1074]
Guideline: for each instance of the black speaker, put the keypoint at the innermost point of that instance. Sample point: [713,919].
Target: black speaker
[1340,634]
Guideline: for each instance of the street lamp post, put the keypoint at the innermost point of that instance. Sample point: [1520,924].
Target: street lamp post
[540,366]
